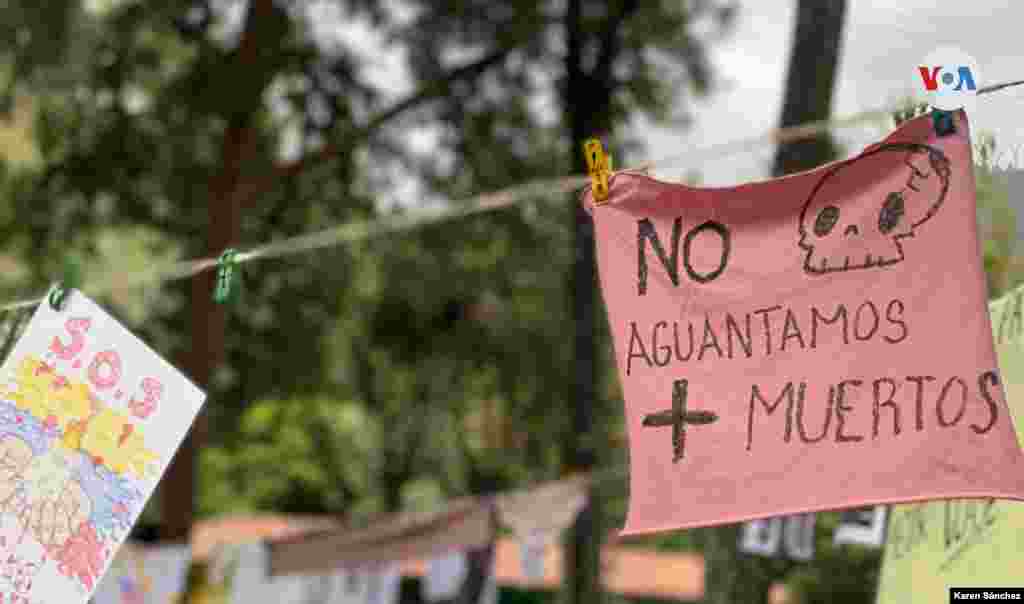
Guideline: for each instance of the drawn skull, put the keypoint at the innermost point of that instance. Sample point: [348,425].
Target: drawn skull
[840,236]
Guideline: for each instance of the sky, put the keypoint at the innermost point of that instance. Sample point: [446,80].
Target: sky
[881,49]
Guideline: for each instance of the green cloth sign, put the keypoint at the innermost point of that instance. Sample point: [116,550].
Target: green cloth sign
[933,546]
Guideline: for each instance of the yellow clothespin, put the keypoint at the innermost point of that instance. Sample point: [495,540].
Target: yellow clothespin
[600,167]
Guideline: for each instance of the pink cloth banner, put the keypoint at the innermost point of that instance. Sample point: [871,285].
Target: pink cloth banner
[814,342]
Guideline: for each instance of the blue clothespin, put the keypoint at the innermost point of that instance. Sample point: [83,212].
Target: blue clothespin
[943,122]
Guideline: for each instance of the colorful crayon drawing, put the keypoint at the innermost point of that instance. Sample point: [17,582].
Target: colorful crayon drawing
[72,471]
[16,573]
[89,416]
[16,576]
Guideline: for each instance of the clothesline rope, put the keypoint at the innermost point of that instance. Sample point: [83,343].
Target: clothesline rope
[800,131]
[547,190]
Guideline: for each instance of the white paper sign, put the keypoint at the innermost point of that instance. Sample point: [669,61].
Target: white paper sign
[793,535]
[242,572]
[89,419]
[798,536]
[445,575]
[862,527]
[762,537]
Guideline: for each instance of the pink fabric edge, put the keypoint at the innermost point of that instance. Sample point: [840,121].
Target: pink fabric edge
[808,510]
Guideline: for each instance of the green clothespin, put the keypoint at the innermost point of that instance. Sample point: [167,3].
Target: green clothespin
[943,122]
[226,287]
[71,278]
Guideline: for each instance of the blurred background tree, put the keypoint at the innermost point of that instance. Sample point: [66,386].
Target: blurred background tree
[399,371]
[382,375]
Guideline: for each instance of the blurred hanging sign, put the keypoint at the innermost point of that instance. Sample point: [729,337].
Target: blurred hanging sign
[465,524]
[781,345]
[862,527]
[761,537]
[538,516]
[141,574]
[967,542]
[1008,169]
[792,536]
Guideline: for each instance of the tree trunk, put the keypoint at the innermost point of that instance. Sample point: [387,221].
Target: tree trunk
[810,84]
[587,107]
[208,318]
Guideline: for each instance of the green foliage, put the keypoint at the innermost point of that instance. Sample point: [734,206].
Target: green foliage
[385,374]
[845,573]
[303,455]
[997,220]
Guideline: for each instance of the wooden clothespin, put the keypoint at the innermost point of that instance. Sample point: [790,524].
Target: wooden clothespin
[599,164]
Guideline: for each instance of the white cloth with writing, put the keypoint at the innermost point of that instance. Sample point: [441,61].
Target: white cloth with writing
[252,583]
[446,575]
[792,535]
[379,584]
